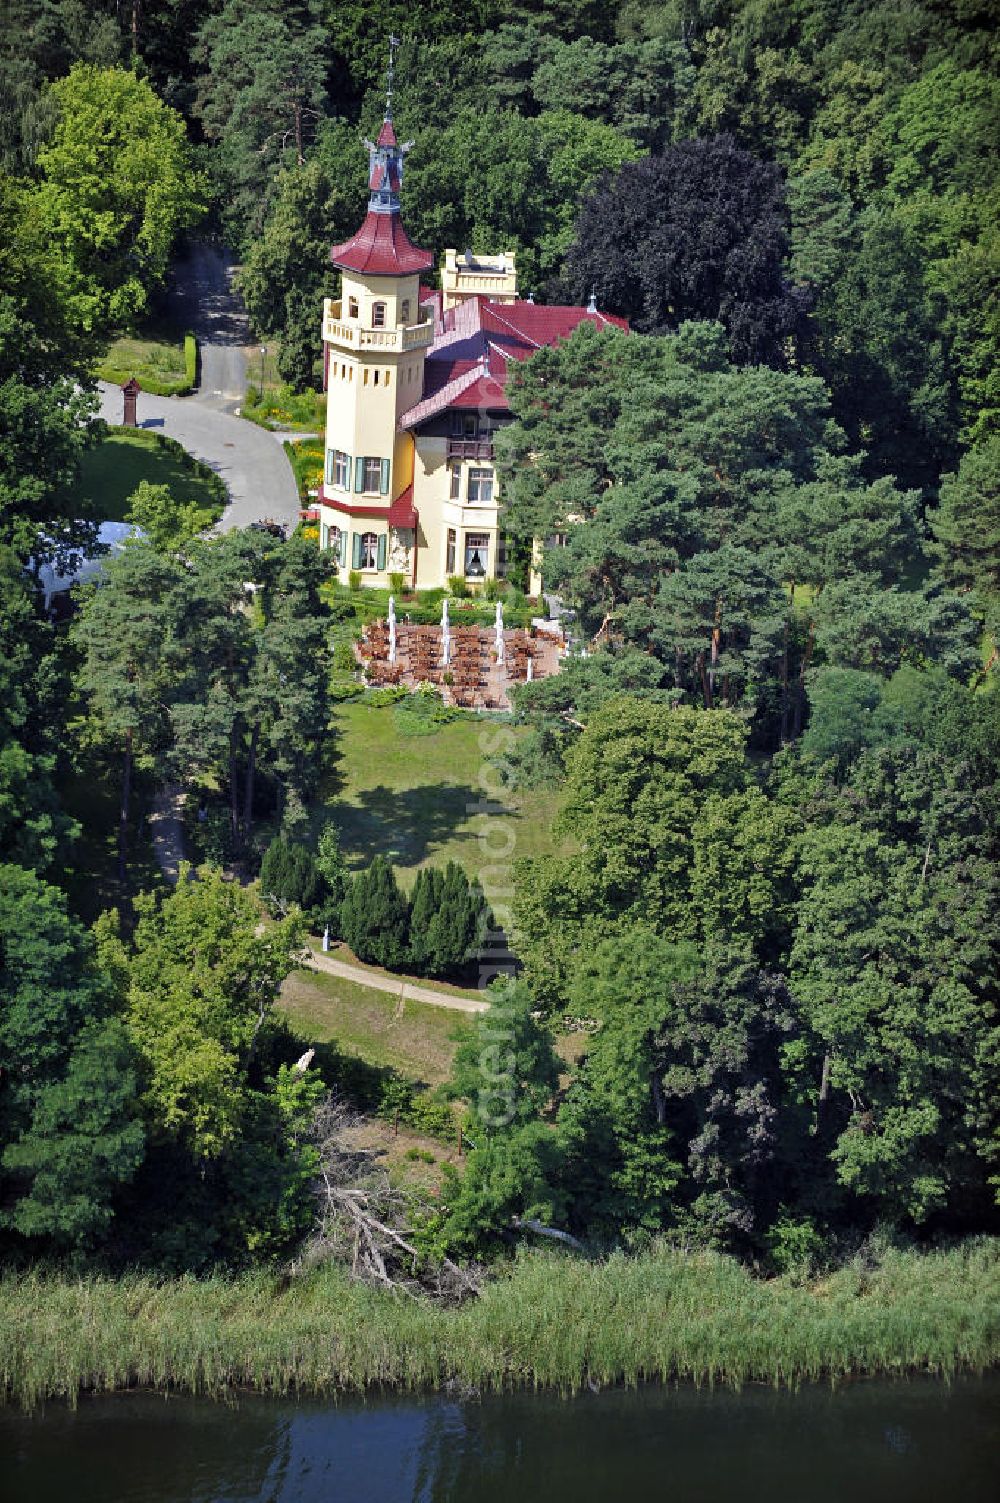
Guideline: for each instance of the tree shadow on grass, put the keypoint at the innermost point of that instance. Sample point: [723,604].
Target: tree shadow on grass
[367,1086]
[408,825]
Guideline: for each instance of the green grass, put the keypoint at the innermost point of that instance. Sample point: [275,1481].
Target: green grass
[113,470]
[555,1321]
[415,799]
[414,1039]
[162,361]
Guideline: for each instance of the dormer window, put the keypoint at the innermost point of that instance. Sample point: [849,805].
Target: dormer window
[352,307]
[378,315]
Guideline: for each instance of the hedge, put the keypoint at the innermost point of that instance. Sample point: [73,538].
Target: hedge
[117,375]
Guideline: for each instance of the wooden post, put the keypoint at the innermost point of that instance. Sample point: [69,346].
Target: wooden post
[130,391]
[460,1141]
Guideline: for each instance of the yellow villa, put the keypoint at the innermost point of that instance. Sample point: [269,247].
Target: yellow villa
[415,380]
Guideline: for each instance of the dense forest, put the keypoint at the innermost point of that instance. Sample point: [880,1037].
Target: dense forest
[777,916]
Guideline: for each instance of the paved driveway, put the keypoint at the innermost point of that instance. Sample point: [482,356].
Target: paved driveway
[249,459]
[203,300]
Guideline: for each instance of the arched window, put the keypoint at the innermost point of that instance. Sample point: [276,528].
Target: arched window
[352,307]
[369,550]
[378,315]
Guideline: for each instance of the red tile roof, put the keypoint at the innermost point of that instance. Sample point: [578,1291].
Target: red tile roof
[466,366]
[402,512]
[381,248]
[445,395]
[386,136]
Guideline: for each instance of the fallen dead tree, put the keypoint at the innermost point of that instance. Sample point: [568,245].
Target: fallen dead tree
[364,1222]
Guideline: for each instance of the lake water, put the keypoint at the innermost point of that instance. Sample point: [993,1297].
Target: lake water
[905,1440]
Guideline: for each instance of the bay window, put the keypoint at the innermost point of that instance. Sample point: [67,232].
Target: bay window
[477,554]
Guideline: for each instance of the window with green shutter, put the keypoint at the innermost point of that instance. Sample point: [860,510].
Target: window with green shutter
[355,550]
[384,478]
[359,473]
[382,540]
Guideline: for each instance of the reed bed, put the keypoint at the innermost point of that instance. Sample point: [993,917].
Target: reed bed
[551,1321]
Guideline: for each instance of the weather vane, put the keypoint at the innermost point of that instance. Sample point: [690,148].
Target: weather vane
[393,44]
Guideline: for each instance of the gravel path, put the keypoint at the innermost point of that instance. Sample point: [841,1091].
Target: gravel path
[405,990]
[166,831]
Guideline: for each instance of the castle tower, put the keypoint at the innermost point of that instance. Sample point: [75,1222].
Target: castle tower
[375,338]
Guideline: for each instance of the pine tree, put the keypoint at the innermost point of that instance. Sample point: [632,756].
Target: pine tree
[128,630]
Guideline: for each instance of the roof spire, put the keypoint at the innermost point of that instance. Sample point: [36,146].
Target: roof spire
[393,44]
[592,304]
[385,156]
[382,247]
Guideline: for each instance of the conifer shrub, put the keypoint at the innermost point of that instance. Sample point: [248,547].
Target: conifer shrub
[290,877]
[424,712]
[448,915]
[375,917]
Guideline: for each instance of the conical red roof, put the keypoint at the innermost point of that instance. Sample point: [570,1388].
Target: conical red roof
[381,248]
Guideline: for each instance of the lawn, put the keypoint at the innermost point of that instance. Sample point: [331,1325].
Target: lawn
[113,470]
[157,358]
[417,799]
[417,1040]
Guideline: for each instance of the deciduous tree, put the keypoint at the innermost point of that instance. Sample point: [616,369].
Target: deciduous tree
[118,188]
[699,232]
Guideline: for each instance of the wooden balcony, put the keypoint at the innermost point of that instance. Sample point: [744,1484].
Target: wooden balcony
[470,448]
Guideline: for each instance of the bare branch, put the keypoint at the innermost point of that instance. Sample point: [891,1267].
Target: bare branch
[364,1222]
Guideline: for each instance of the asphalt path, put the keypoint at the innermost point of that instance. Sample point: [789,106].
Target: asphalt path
[250,460]
[203,299]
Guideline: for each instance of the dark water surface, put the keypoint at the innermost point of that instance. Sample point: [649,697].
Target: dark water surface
[866,1441]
